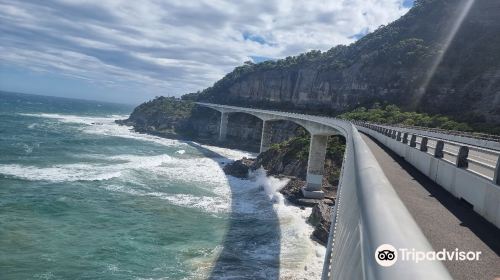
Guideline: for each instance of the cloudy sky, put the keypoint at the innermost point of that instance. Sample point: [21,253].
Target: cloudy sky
[131,51]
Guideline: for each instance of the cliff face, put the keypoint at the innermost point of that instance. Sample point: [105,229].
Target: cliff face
[414,62]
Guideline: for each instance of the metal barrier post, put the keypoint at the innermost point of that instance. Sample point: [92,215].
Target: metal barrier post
[463,153]
[405,138]
[438,152]
[423,144]
[413,141]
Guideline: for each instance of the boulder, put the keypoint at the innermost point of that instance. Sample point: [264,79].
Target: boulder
[321,220]
[239,168]
[292,191]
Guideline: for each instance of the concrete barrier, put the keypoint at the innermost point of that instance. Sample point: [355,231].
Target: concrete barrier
[481,192]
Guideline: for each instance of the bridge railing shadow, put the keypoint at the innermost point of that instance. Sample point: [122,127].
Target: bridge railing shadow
[251,246]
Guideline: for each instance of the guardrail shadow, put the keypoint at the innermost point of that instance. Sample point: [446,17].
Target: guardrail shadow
[483,229]
[251,246]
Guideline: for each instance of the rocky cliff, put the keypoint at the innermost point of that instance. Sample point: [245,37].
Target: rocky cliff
[417,62]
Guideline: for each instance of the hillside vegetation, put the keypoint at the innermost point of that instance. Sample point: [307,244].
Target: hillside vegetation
[391,114]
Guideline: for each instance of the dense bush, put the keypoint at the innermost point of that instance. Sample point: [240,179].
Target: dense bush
[170,105]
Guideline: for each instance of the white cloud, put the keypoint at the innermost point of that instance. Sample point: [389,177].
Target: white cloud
[178,46]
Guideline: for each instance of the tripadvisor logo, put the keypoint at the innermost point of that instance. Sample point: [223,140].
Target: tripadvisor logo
[387,255]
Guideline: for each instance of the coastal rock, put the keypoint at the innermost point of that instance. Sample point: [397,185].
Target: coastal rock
[239,168]
[292,191]
[287,158]
[321,219]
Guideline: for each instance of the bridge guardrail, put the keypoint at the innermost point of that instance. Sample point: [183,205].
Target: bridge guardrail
[465,134]
[469,173]
[485,141]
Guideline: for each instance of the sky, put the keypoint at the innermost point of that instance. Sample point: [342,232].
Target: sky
[131,51]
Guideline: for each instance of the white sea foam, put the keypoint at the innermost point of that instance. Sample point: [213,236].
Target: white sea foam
[300,257]
[206,203]
[111,129]
[33,125]
[75,118]
[204,171]
[106,126]
[82,171]
[56,174]
[231,154]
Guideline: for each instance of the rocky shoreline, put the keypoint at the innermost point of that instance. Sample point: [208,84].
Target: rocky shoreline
[322,209]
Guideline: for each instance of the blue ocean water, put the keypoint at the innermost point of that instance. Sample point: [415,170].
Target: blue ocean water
[84,198]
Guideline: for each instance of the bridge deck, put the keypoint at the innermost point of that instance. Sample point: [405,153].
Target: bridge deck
[445,221]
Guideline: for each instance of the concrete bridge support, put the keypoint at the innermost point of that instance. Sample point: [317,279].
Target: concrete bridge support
[315,167]
[265,140]
[223,126]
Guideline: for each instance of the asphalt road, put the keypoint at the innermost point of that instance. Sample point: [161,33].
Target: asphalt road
[445,221]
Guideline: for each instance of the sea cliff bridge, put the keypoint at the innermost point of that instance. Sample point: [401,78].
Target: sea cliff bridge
[445,194]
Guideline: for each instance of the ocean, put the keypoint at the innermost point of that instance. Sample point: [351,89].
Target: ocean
[84,198]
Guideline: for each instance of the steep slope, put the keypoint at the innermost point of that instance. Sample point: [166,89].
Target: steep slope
[391,65]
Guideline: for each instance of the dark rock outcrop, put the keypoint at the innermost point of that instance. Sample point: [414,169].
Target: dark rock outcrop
[292,191]
[239,168]
[279,162]
[321,219]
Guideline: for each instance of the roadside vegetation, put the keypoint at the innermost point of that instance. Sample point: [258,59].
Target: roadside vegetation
[391,114]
